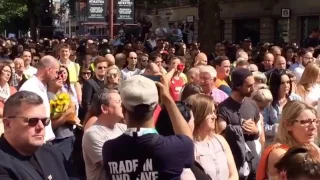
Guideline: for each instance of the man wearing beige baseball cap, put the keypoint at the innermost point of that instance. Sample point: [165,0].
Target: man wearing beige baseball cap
[141,151]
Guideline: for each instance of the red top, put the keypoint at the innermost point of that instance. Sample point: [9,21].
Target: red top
[175,88]
[156,114]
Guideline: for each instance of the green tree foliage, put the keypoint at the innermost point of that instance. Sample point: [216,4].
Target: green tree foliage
[11,9]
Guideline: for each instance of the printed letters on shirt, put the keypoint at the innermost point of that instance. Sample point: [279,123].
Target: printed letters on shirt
[121,170]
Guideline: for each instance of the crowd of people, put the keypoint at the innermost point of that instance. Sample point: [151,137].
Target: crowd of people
[153,109]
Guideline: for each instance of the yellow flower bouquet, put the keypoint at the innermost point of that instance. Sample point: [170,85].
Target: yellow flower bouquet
[62,107]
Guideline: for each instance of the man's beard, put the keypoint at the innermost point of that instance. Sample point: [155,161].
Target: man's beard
[304,64]
[245,94]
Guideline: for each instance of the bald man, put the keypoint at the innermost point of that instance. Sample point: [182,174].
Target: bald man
[110,59]
[48,68]
[280,63]
[131,68]
[193,75]
[267,63]
[253,68]
[201,59]
[152,69]
[43,65]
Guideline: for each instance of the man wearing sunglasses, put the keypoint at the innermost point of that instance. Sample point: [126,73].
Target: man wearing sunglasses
[48,69]
[23,153]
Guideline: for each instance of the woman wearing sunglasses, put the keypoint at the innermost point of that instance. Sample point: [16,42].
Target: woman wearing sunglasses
[112,79]
[84,75]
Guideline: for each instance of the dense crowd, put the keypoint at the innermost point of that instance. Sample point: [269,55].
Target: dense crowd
[153,107]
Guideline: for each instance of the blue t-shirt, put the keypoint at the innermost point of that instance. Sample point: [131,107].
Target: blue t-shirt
[170,154]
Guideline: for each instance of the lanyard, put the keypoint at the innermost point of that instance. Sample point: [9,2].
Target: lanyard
[143,131]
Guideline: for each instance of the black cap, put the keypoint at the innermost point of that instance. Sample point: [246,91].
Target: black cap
[238,76]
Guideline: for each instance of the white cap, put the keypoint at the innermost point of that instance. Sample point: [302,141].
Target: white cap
[139,90]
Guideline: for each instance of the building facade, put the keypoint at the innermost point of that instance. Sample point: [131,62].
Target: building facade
[261,20]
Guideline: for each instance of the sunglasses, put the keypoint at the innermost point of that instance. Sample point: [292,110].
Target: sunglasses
[32,122]
[86,73]
[36,60]
[113,75]
[101,67]
[132,57]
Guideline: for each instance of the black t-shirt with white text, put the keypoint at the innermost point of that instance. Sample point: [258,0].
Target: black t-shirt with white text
[168,156]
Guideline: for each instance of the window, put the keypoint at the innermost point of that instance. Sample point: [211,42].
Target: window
[308,23]
[278,37]
[246,28]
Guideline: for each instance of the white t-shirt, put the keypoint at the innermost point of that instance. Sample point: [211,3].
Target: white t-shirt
[126,73]
[30,71]
[298,71]
[35,85]
[92,142]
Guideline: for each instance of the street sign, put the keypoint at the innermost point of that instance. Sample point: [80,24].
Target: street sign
[96,10]
[125,11]
[285,13]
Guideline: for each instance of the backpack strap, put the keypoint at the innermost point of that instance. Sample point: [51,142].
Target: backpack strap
[263,164]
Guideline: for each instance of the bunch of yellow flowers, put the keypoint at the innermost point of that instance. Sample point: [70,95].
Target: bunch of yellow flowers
[59,104]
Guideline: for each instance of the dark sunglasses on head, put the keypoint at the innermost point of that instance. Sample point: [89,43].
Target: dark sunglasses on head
[33,121]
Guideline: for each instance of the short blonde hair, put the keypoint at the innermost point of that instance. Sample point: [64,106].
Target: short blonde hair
[262,94]
[259,77]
